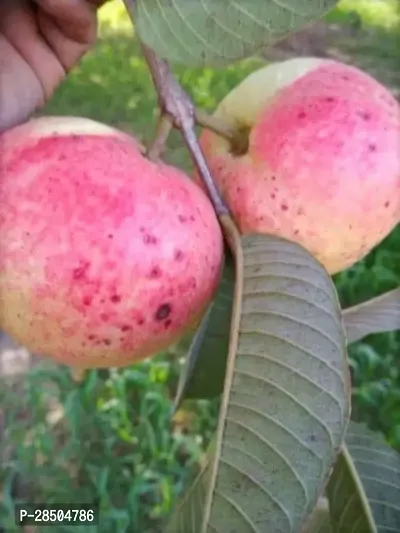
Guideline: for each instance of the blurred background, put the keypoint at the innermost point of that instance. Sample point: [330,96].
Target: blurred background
[112,437]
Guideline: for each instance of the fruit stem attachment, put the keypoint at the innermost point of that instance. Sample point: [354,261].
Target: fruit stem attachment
[237,137]
[177,105]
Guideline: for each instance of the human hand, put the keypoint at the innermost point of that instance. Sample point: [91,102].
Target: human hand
[40,41]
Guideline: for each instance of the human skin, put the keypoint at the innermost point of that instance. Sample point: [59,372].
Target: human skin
[106,257]
[322,166]
[40,41]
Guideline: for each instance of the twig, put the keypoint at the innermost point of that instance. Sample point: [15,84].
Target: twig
[164,128]
[177,105]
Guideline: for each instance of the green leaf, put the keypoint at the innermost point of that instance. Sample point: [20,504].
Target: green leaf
[320,520]
[378,315]
[364,489]
[204,371]
[285,405]
[218,32]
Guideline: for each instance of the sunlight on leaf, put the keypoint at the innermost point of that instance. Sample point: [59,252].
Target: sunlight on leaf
[217,32]
[364,490]
[378,315]
[286,400]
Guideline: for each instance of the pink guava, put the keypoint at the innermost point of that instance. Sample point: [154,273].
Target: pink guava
[106,258]
[322,162]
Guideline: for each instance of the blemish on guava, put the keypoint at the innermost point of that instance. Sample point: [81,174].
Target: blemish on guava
[163,312]
[140,321]
[115,298]
[302,114]
[365,115]
[296,232]
[178,256]
[273,195]
[181,219]
[284,207]
[387,204]
[91,337]
[149,239]
[79,272]
[107,342]
[125,327]
[273,178]
[105,317]
[372,147]
[191,218]
[155,273]
[110,236]
[87,301]
[167,323]
[330,99]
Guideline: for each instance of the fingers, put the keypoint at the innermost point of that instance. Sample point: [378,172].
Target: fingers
[76,19]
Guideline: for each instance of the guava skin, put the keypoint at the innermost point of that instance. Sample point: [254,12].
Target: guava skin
[106,258]
[323,162]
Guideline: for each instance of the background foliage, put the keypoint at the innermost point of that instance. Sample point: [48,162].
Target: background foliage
[111,438]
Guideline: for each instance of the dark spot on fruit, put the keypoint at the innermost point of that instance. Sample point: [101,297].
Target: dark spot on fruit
[387,204]
[302,114]
[178,256]
[115,298]
[142,229]
[107,342]
[273,178]
[296,232]
[155,272]
[167,323]
[149,239]
[163,312]
[87,301]
[350,226]
[345,78]
[79,273]
[110,236]
[193,283]
[182,219]
[300,211]
[125,328]
[191,218]
[140,321]
[273,195]
[104,317]
[91,337]
[365,115]
[284,207]
[330,99]
[372,147]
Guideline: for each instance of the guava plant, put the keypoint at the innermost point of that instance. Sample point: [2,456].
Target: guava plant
[300,166]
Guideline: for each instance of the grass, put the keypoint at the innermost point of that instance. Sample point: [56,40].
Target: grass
[112,437]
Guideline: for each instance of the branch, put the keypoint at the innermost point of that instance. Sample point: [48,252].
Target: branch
[176,104]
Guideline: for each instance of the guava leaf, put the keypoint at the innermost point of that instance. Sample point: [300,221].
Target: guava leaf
[203,373]
[286,399]
[378,315]
[218,32]
[364,489]
[319,521]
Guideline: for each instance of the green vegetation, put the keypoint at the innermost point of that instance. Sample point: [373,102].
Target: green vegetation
[112,438]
